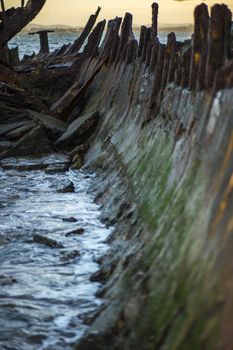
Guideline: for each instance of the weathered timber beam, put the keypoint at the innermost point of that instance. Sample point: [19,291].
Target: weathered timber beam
[126,34]
[19,19]
[147,39]
[150,36]
[85,33]
[158,74]
[155,11]
[154,55]
[224,77]
[3,6]
[219,37]
[131,51]
[94,39]
[170,52]
[199,46]
[66,103]
[112,31]
[141,40]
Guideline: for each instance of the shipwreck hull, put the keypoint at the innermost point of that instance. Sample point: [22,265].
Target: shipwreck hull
[164,148]
[170,289]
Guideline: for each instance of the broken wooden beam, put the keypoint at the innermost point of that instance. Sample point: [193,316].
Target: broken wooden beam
[219,34]
[85,33]
[126,34]
[19,18]
[147,39]
[170,52]
[199,46]
[3,6]
[141,40]
[158,76]
[154,55]
[111,33]
[131,51]
[94,39]
[155,11]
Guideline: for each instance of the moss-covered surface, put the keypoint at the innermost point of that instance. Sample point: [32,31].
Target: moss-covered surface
[165,291]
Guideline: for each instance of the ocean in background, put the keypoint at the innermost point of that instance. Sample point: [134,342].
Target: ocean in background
[30,43]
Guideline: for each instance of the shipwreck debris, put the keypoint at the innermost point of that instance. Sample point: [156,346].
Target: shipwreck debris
[44,41]
[179,91]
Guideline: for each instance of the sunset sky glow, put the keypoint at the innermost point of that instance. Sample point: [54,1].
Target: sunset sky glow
[76,12]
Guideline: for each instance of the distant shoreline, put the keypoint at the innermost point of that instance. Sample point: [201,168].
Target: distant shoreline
[69,29]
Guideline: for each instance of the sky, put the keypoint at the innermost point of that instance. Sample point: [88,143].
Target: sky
[76,12]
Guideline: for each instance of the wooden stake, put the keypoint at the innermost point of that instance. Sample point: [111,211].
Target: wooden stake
[3,6]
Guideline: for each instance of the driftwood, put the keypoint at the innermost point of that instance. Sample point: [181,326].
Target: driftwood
[18,18]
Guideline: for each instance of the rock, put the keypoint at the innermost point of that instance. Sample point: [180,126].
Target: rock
[104,272]
[78,231]
[78,162]
[79,150]
[71,219]
[70,255]
[79,131]
[7,280]
[19,132]
[69,188]
[96,341]
[34,143]
[89,317]
[3,240]
[57,168]
[23,167]
[47,241]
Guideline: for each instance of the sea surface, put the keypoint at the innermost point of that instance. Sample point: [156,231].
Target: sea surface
[28,44]
[45,289]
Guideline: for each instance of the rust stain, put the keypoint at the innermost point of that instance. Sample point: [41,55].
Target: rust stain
[224,203]
[197,58]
